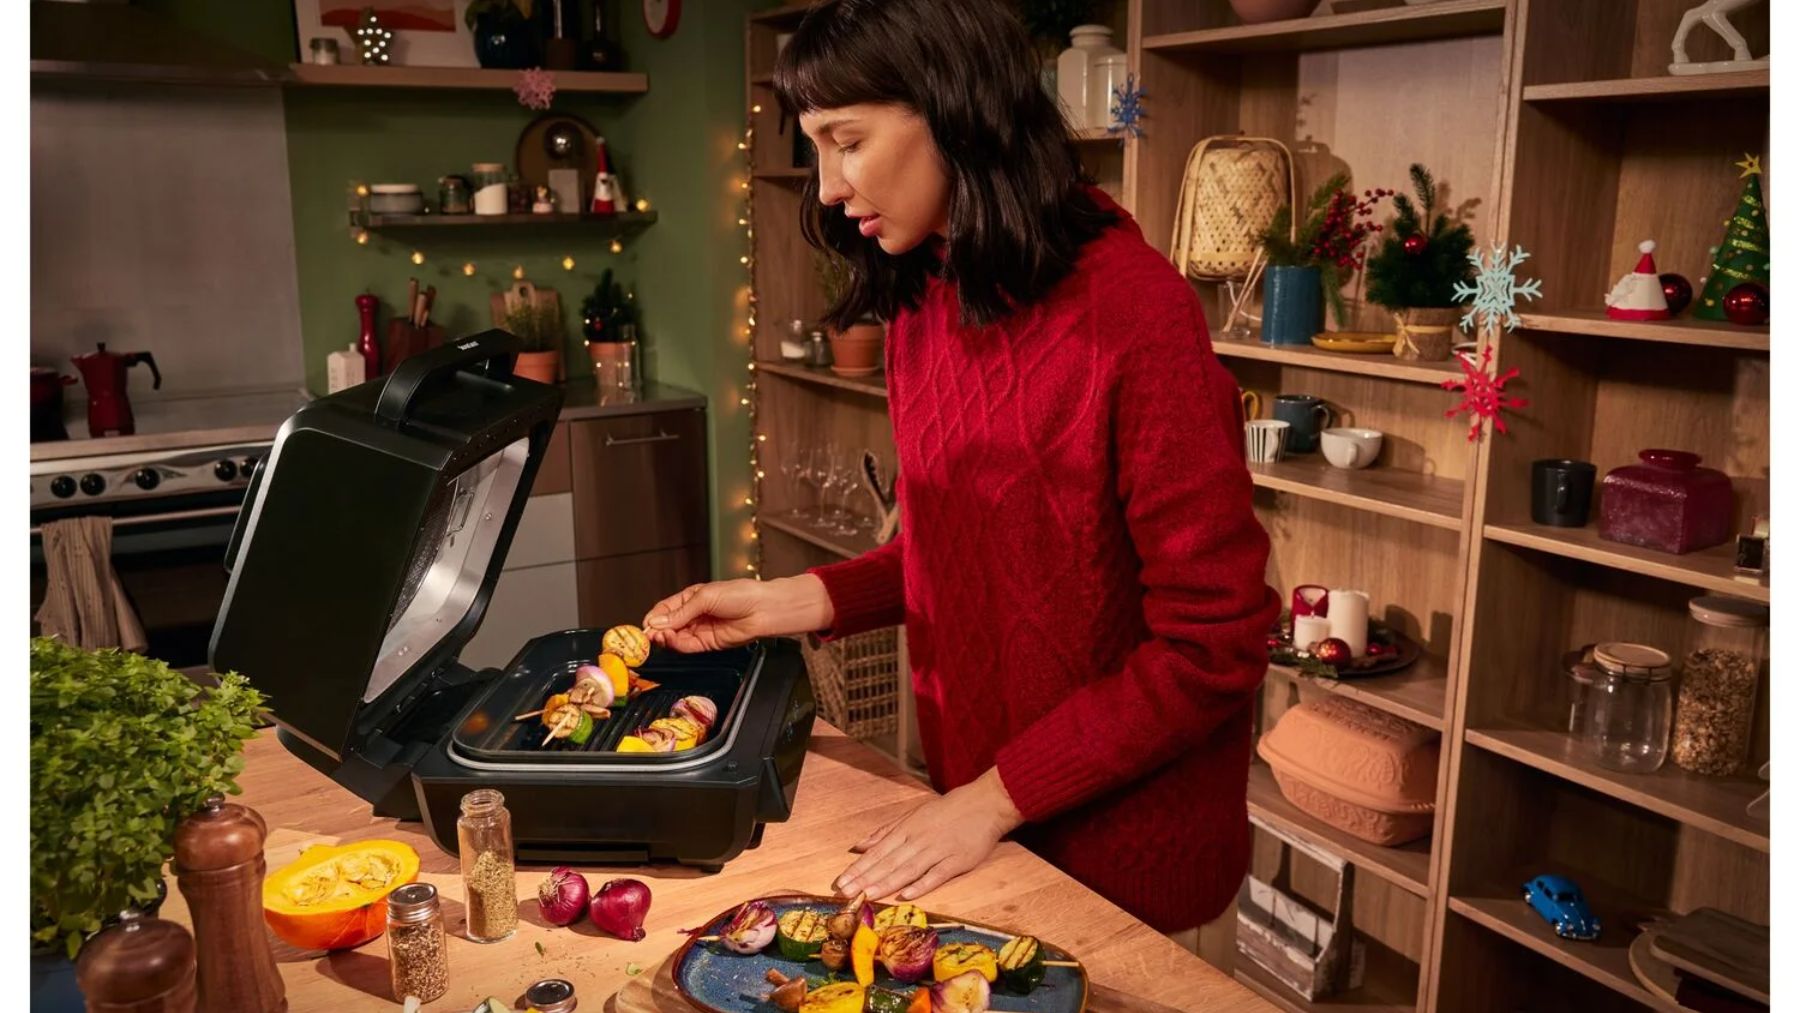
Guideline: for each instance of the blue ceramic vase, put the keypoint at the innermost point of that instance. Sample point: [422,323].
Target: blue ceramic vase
[1293,306]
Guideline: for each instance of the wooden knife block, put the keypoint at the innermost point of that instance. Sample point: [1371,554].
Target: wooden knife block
[405,341]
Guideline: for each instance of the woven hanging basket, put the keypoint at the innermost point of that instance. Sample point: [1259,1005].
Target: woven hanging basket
[1230,191]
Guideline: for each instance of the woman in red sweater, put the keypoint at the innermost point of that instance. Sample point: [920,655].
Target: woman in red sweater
[1080,572]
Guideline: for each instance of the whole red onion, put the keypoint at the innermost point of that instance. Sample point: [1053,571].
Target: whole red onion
[563,896]
[619,907]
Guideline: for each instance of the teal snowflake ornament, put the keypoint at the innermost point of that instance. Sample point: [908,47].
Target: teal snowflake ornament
[1127,109]
[1496,290]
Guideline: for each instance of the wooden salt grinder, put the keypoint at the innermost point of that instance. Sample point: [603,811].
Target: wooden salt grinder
[219,866]
[141,965]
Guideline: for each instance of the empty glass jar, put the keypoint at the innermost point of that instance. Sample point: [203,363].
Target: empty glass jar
[1715,711]
[1629,705]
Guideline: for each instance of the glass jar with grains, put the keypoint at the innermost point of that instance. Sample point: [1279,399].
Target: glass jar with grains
[484,839]
[418,959]
[1715,711]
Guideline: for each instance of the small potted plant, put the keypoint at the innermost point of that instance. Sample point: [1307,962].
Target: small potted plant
[1416,268]
[855,350]
[122,749]
[605,313]
[537,323]
[1309,265]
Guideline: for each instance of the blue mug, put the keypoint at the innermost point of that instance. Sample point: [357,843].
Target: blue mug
[1293,306]
[1305,416]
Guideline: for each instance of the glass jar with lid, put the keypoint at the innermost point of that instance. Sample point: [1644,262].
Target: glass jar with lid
[489,182]
[1715,711]
[418,957]
[484,842]
[1630,701]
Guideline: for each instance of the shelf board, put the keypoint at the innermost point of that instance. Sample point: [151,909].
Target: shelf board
[1681,331]
[874,386]
[623,221]
[1415,693]
[1096,135]
[1673,87]
[1310,357]
[1407,866]
[1385,989]
[1713,804]
[847,546]
[789,13]
[796,174]
[1392,492]
[355,75]
[1711,569]
[1605,960]
[763,79]
[1444,20]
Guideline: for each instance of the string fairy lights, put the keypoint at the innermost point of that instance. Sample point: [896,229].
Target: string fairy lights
[747,221]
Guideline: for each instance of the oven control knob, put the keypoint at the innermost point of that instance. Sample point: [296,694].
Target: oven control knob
[147,478]
[93,484]
[225,470]
[62,487]
[248,465]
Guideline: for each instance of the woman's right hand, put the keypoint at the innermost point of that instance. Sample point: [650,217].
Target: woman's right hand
[726,613]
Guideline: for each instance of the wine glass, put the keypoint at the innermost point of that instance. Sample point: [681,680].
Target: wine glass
[792,469]
[847,473]
[811,475]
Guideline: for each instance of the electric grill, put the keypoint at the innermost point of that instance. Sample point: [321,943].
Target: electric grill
[371,538]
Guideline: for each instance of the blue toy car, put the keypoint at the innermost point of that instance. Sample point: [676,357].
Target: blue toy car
[1561,904]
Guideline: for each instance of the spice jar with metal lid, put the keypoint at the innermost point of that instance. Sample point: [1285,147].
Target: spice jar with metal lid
[1629,707]
[418,951]
[485,843]
[552,995]
[1715,711]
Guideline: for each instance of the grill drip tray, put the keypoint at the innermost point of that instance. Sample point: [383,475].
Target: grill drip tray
[488,732]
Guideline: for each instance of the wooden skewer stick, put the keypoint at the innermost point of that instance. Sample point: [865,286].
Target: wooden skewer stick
[528,714]
[1062,963]
[1251,277]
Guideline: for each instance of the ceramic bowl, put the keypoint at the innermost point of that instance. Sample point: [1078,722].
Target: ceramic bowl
[1350,448]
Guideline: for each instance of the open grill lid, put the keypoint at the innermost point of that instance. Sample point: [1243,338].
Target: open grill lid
[373,533]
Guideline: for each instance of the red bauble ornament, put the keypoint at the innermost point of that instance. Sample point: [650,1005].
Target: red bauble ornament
[1413,244]
[1676,291]
[1332,651]
[1747,304]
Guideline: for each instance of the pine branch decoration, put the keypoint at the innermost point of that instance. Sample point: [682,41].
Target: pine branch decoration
[1427,275]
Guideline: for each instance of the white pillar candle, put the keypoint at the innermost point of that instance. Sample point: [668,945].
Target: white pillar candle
[1350,620]
[1309,630]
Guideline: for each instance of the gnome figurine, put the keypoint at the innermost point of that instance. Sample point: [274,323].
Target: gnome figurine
[1639,295]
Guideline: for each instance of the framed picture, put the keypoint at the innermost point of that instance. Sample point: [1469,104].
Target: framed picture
[427,33]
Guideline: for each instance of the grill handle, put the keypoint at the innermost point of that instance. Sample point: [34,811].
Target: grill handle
[660,437]
[244,511]
[493,351]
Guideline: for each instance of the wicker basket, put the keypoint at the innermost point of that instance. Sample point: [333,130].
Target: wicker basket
[1230,191]
[857,681]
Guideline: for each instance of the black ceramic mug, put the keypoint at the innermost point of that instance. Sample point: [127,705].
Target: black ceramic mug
[1305,416]
[1562,490]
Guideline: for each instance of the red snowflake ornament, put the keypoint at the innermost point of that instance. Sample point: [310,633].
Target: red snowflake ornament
[535,88]
[1483,394]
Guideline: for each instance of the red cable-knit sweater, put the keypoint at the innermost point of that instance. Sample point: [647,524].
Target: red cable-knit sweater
[1081,574]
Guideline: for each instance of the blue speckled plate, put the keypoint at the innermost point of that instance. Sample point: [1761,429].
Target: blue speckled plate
[717,980]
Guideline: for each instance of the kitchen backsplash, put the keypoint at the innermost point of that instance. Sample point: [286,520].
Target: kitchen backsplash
[161,222]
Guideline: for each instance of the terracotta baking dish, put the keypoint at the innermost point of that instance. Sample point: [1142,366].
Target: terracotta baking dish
[1364,771]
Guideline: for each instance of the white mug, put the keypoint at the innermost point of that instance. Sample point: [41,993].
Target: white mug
[1264,440]
[1349,620]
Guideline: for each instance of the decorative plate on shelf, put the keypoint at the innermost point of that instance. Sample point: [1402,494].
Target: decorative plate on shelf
[1390,650]
[717,980]
[1356,342]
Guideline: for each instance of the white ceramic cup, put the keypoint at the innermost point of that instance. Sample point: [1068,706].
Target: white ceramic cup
[1348,447]
[1264,440]
[1309,630]
[1350,619]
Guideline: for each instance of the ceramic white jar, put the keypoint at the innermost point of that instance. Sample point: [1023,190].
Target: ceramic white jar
[1105,76]
[1074,69]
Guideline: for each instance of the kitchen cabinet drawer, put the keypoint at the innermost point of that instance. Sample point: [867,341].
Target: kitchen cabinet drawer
[620,589]
[546,532]
[527,602]
[639,483]
[553,472]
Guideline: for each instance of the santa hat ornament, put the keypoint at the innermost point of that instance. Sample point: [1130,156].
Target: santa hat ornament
[1639,295]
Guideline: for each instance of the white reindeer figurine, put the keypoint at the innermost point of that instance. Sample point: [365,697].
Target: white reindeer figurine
[1712,14]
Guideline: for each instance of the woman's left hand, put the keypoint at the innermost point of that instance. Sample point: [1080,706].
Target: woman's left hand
[934,843]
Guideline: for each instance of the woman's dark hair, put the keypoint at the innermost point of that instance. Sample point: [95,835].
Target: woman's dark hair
[1019,213]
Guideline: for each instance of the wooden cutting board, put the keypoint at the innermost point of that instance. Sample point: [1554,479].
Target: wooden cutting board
[1721,948]
[654,992]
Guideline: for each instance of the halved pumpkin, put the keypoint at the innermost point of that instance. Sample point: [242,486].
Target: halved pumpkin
[335,897]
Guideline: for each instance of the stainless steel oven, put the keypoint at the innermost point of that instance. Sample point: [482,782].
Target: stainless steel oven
[172,513]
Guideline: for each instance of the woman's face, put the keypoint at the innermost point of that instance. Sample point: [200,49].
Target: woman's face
[880,163]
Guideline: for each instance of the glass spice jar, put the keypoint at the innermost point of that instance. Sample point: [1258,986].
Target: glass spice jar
[485,843]
[418,954]
[1579,669]
[1715,710]
[1629,706]
[551,995]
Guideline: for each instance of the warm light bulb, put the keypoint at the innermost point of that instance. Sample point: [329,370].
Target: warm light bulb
[749,502]
[417,257]
[751,367]
[643,204]
[743,260]
[362,237]
[743,400]
[362,190]
[742,146]
[469,270]
[744,184]
[742,222]
[568,263]
[761,437]
[617,247]
[756,108]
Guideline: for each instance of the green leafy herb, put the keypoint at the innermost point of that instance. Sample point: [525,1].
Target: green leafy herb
[633,969]
[122,749]
[1427,278]
[540,948]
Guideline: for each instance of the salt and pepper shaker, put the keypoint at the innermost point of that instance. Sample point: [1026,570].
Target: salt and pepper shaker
[219,867]
[141,965]
[551,995]
[371,352]
[818,351]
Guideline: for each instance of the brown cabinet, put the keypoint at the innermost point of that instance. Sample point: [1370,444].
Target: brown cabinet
[639,482]
[553,472]
[620,589]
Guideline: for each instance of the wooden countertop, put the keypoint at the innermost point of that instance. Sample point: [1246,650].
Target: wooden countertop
[846,789]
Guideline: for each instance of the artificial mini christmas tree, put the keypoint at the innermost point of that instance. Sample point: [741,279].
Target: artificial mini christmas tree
[1415,269]
[1743,255]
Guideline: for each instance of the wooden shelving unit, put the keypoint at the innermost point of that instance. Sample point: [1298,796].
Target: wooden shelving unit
[1547,122]
[874,386]
[353,75]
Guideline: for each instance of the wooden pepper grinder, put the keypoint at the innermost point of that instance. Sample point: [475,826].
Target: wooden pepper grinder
[365,342]
[141,965]
[219,866]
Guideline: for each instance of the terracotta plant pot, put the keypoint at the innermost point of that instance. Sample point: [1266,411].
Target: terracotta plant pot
[1255,12]
[1425,335]
[544,367]
[857,350]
